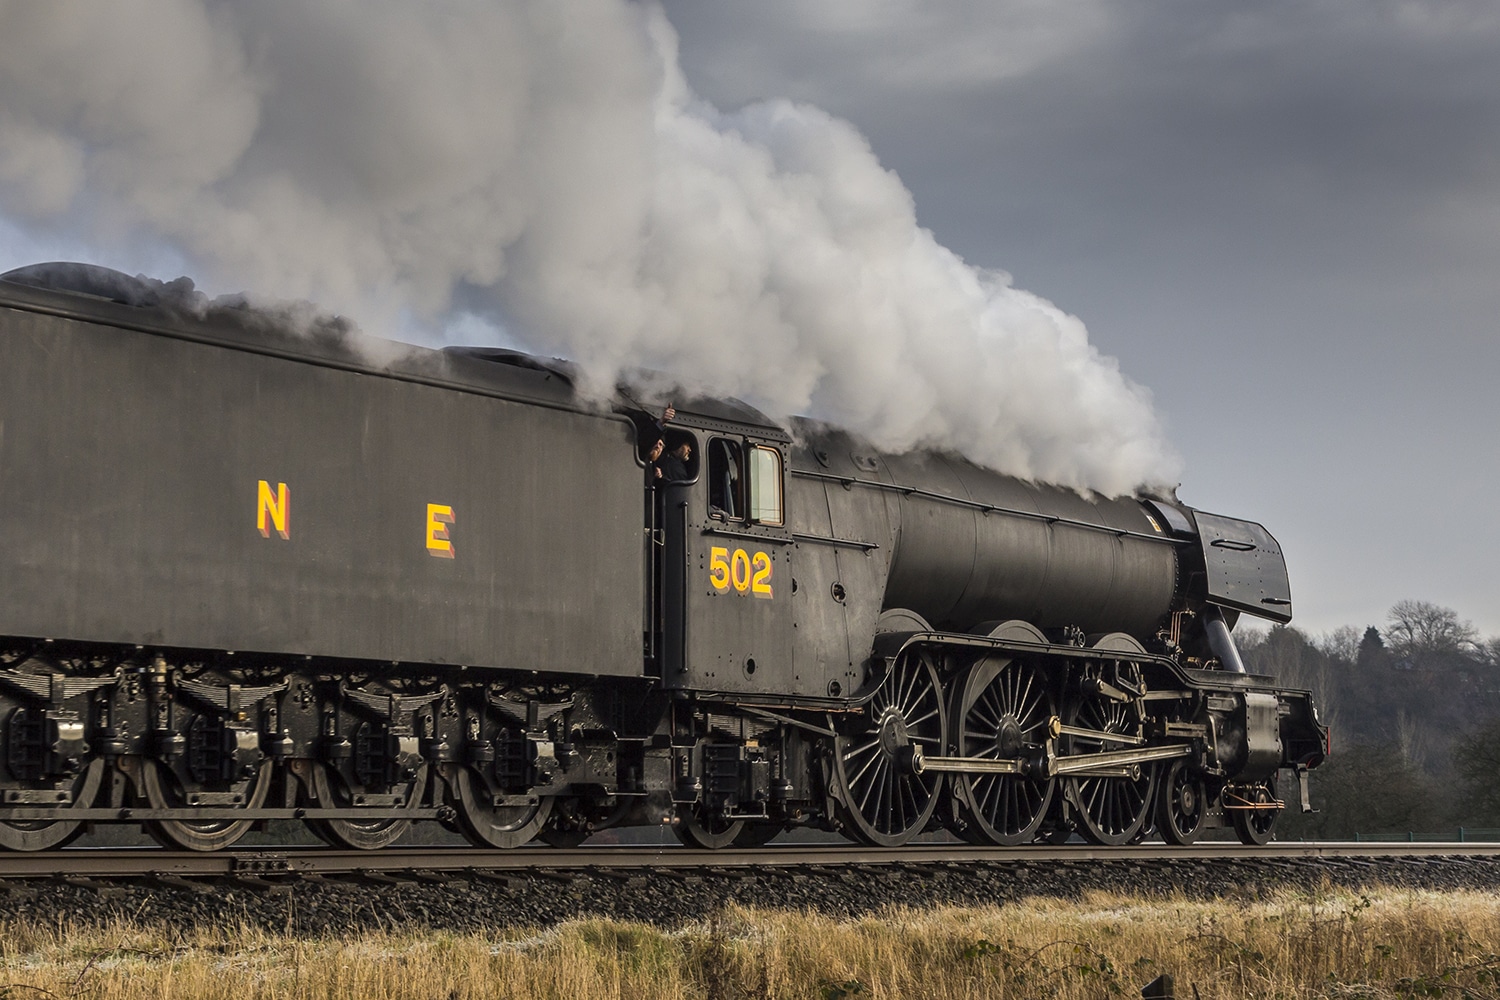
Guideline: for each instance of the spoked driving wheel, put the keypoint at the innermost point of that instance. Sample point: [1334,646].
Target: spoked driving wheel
[1111,809]
[165,790]
[885,802]
[1182,806]
[488,822]
[43,834]
[1002,713]
[1254,810]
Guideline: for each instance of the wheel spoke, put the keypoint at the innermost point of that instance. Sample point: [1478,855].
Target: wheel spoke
[874,786]
[932,714]
[883,803]
[908,683]
[859,776]
[1111,810]
[1002,705]
[862,748]
[1021,697]
[988,710]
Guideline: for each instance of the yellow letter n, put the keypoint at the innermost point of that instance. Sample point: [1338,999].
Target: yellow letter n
[272,509]
[439,516]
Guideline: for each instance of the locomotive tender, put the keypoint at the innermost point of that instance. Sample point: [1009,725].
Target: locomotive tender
[248,574]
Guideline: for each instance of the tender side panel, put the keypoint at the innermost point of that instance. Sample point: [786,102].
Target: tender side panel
[162,492]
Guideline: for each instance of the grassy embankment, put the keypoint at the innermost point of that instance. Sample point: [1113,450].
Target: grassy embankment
[1325,944]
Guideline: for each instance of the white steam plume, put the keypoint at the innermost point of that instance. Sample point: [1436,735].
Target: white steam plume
[545,166]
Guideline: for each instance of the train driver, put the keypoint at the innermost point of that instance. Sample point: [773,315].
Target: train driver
[673,466]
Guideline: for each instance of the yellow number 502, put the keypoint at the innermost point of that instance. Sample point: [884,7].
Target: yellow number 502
[743,570]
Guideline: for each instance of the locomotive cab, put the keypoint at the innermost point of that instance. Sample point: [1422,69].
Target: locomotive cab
[723,578]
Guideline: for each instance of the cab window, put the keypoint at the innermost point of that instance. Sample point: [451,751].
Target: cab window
[726,496]
[765,485]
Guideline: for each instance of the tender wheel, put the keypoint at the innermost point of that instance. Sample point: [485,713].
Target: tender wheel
[1253,826]
[362,834]
[489,825]
[42,834]
[1182,806]
[1002,713]
[164,790]
[711,833]
[1110,810]
[885,802]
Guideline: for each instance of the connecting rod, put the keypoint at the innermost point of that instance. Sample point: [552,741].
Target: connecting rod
[1109,764]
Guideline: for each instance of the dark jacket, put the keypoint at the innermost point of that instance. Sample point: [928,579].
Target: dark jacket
[673,470]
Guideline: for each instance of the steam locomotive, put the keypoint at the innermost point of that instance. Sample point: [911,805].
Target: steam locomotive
[250,573]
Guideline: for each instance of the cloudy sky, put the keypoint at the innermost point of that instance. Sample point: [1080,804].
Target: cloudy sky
[1282,217]
[1283,220]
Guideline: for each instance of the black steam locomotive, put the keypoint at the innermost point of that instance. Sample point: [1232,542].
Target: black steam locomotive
[248,574]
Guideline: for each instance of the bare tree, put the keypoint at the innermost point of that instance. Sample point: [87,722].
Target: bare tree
[1341,644]
[1412,739]
[1417,629]
[1295,661]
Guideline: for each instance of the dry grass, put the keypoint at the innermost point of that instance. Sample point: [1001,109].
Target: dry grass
[1325,944]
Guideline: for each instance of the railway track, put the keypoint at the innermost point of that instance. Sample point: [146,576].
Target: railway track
[323,891]
[273,865]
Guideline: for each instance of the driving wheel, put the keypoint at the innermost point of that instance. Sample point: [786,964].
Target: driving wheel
[884,802]
[1002,714]
[1110,809]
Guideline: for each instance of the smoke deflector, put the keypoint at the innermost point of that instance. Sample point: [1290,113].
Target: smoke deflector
[1246,571]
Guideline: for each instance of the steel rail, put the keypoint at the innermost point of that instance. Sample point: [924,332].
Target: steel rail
[148,862]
